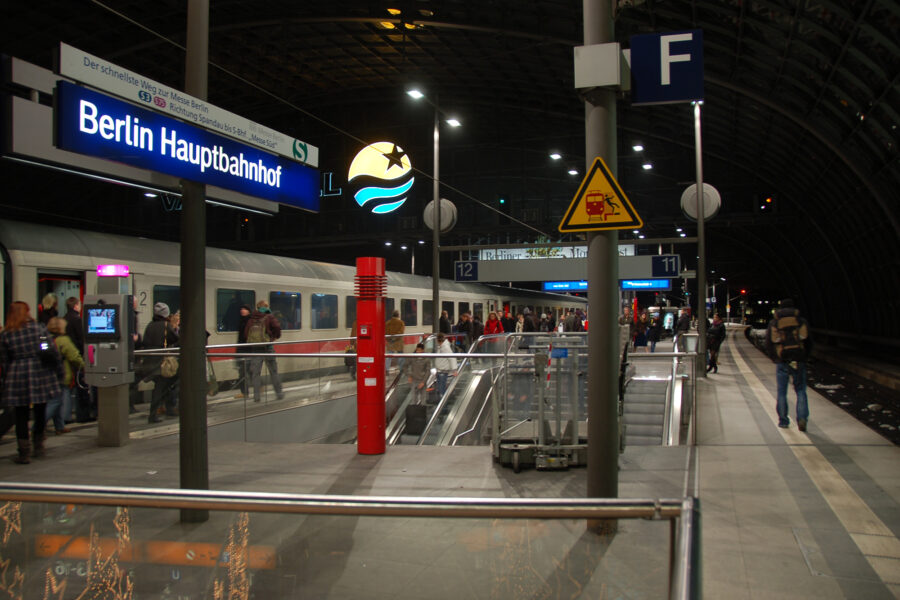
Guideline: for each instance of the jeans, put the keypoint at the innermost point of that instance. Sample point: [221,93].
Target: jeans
[55,407]
[442,383]
[782,373]
[256,376]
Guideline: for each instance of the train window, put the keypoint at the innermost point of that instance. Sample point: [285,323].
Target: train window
[323,311]
[448,306]
[228,306]
[463,307]
[427,312]
[170,294]
[285,307]
[350,312]
[409,312]
[478,310]
[388,308]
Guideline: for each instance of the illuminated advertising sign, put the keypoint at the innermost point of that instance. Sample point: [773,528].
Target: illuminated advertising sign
[91,123]
[381,175]
[659,285]
[565,286]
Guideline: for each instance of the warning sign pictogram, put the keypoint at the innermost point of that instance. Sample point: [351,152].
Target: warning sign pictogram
[599,204]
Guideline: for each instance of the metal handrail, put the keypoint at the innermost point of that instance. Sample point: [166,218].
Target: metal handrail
[684,582]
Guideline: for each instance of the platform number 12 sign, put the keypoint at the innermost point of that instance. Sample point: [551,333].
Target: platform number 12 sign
[466,270]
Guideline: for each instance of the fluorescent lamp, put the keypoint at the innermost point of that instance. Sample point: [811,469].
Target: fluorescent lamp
[453,122]
[415,94]
[555,155]
[637,148]
[573,172]
[647,166]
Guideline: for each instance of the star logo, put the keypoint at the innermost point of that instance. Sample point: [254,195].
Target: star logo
[395,157]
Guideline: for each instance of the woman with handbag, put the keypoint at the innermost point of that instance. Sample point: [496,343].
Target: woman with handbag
[32,369]
[162,371]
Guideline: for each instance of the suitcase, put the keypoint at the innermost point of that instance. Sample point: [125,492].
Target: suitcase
[415,419]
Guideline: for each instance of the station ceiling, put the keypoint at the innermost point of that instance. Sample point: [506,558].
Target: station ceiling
[801,107]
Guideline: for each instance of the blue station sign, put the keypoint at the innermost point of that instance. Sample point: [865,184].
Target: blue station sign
[565,286]
[91,123]
[667,67]
[659,285]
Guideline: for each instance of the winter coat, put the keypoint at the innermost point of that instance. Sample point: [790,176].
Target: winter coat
[492,326]
[25,378]
[157,334]
[444,326]
[508,323]
[242,333]
[273,329]
[45,315]
[655,331]
[445,364]
[715,335]
[395,326]
[417,369]
[464,327]
[75,329]
[683,324]
[72,360]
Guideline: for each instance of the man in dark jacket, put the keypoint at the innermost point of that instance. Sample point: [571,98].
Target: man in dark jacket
[508,323]
[262,327]
[789,344]
[682,326]
[715,335]
[444,326]
[85,398]
[243,364]
[159,334]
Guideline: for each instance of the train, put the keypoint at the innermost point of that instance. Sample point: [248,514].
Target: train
[313,300]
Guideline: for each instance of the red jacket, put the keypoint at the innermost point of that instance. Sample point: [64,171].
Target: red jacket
[492,326]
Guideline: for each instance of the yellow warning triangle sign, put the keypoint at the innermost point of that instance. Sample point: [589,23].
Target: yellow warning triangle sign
[600,204]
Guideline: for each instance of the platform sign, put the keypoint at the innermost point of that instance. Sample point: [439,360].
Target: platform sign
[600,204]
[659,285]
[565,286]
[95,124]
[667,67]
[466,270]
[665,265]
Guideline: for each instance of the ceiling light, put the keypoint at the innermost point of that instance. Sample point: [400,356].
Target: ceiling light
[573,172]
[678,229]
[403,247]
[638,148]
[387,25]
[453,122]
[415,94]
[393,11]
[683,235]
[421,241]
[150,194]
[555,155]
[722,278]
[635,231]
[647,166]
[641,236]
[409,25]
[387,243]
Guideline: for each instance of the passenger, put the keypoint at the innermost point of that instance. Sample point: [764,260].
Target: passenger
[520,323]
[85,397]
[445,366]
[715,335]
[655,332]
[508,322]
[159,334]
[572,323]
[464,326]
[49,305]
[789,344]
[243,364]
[133,393]
[28,381]
[682,326]
[172,399]
[350,361]
[72,362]
[544,324]
[444,326]
[263,328]
[417,371]
[477,327]
[641,333]
[393,334]
[551,322]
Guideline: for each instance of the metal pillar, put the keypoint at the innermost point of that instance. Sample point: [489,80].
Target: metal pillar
[602,276]
[193,441]
[701,248]
[436,234]
[371,286]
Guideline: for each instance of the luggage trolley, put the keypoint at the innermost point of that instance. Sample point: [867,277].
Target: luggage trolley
[541,415]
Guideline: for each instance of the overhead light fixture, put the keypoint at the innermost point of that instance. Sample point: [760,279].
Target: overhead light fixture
[573,172]
[635,231]
[422,241]
[393,11]
[722,278]
[647,166]
[415,94]
[555,155]
[150,195]
[678,229]
[403,247]
[638,148]
[641,236]
[387,243]
[683,235]
[387,25]
[452,122]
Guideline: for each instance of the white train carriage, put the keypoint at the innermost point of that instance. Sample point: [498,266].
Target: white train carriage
[313,300]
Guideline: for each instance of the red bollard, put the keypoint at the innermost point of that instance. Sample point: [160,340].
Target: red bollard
[371,287]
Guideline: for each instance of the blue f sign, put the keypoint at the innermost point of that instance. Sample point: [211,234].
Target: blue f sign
[667,67]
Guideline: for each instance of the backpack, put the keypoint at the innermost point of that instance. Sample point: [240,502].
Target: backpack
[256,331]
[788,336]
[47,352]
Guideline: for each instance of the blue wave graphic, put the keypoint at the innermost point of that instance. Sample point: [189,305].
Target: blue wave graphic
[373,193]
[386,208]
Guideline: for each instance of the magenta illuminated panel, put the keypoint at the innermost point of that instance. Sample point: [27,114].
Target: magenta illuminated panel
[112,270]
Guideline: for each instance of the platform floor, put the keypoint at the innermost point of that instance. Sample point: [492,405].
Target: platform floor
[784,514]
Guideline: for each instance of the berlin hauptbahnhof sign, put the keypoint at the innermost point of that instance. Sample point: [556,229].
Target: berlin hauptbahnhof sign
[91,123]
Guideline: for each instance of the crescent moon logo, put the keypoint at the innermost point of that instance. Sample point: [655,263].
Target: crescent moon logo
[383,176]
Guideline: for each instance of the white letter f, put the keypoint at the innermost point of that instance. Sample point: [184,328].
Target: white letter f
[665,59]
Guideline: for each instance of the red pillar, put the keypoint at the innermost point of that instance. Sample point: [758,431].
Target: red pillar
[371,287]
